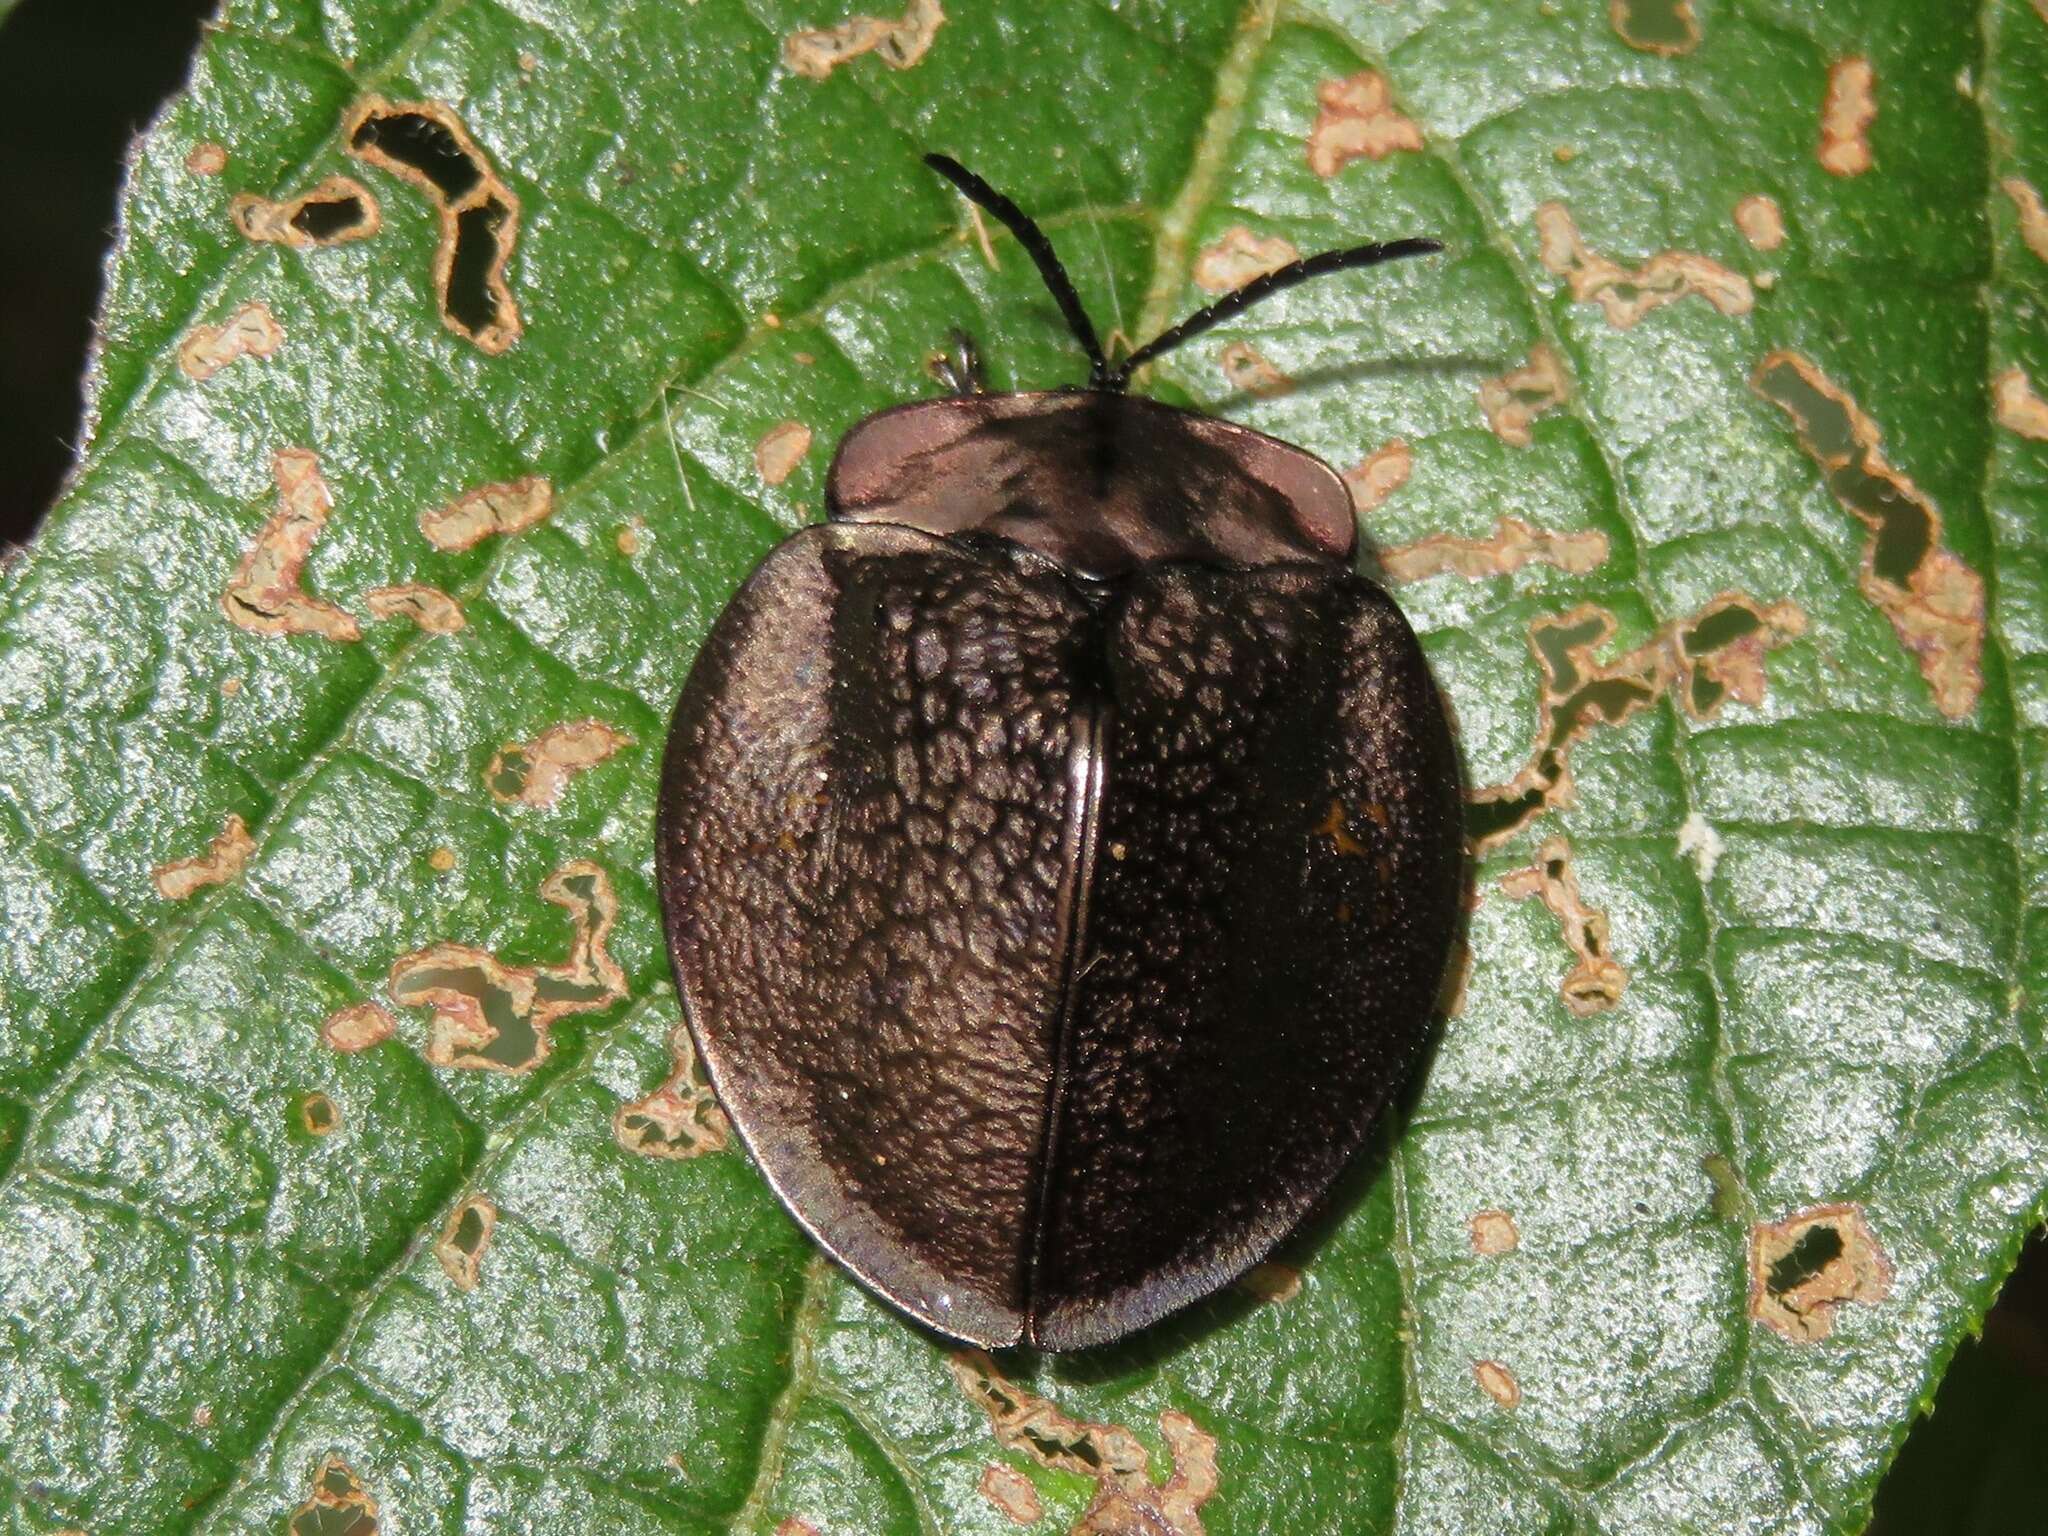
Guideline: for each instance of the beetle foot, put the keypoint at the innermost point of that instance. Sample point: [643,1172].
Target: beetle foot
[960,369]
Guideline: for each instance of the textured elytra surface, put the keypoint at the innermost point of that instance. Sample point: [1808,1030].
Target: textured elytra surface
[1831,992]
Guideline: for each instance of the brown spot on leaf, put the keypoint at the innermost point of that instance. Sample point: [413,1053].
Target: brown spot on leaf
[319,1115]
[207,159]
[1513,545]
[1271,1283]
[1358,119]
[356,1027]
[2033,215]
[1497,1382]
[1239,257]
[1376,477]
[503,507]
[1127,1501]
[429,607]
[2019,408]
[494,1017]
[251,331]
[1248,370]
[1494,1233]
[1762,225]
[1626,296]
[1580,692]
[1012,1494]
[337,211]
[781,448]
[223,860]
[1596,982]
[337,1506]
[535,772]
[1665,27]
[425,144]
[1803,1268]
[680,1119]
[441,859]
[898,44]
[465,1240]
[1846,113]
[1934,601]
[1513,401]
[795,1527]
[264,595]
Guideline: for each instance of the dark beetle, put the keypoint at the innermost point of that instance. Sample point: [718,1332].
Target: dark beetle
[1060,847]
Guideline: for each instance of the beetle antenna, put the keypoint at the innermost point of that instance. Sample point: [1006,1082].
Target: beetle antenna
[1264,287]
[1032,238]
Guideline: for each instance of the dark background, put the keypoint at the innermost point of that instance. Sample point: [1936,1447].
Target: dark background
[80,78]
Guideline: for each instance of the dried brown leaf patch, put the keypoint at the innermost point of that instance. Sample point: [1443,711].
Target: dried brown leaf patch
[264,596]
[225,856]
[898,43]
[1626,294]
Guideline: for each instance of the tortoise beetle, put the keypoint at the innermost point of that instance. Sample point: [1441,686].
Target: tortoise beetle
[1060,848]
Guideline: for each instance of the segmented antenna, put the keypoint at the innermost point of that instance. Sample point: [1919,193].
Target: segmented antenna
[1032,238]
[1116,380]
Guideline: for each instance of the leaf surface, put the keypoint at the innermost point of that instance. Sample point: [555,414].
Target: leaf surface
[254,1277]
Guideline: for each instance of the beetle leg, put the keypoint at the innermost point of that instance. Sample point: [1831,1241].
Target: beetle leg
[960,369]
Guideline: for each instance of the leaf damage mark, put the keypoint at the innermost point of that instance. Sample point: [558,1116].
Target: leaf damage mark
[426,144]
[1596,983]
[1512,402]
[206,159]
[534,773]
[264,596]
[1271,1282]
[680,1119]
[1493,1233]
[1127,1501]
[465,1240]
[1624,295]
[502,507]
[429,607]
[1580,692]
[1377,476]
[1238,257]
[1761,222]
[319,1115]
[357,1027]
[1804,1268]
[1663,27]
[1698,841]
[1358,119]
[1846,113]
[2018,408]
[2026,201]
[181,879]
[1248,371]
[338,1504]
[1512,545]
[795,1527]
[337,211]
[1011,1494]
[494,1017]
[1497,1382]
[1935,602]
[251,331]
[781,448]
[898,44]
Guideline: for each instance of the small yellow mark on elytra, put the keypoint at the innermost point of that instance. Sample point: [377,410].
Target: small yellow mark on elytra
[1358,120]
[264,595]
[1377,476]
[1846,113]
[503,507]
[1337,828]
[899,44]
[1624,294]
[1238,257]
[222,861]
[781,448]
[1497,1382]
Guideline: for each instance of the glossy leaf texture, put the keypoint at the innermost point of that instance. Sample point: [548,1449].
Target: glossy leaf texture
[344,1180]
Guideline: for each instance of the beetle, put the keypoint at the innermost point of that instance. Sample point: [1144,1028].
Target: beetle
[1060,846]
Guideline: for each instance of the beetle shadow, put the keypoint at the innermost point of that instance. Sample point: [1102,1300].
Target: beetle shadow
[1336,375]
[1158,1345]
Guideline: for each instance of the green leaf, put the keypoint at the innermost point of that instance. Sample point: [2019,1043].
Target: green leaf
[252,1280]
